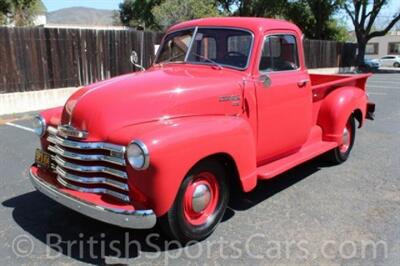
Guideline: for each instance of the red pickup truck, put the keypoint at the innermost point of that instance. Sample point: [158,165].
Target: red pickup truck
[227,102]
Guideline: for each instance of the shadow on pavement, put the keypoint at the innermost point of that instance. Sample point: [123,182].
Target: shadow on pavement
[67,232]
[268,188]
[50,223]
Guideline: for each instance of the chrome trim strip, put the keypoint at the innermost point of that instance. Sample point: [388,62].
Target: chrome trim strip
[191,44]
[89,169]
[52,130]
[86,157]
[53,138]
[138,219]
[91,180]
[70,131]
[93,190]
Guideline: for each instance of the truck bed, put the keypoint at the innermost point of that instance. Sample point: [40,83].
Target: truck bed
[325,81]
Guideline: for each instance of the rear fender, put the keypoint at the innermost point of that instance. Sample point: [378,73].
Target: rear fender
[176,145]
[337,108]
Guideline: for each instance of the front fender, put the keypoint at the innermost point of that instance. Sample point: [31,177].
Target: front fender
[337,108]
[53,115]
[176,145]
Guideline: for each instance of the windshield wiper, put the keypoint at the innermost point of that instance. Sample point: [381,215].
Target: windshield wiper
[208,60]
[195,54]
[172,58]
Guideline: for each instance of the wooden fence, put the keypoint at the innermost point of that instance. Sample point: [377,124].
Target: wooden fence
[45,58]
[319,53]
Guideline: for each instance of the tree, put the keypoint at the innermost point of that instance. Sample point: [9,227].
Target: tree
[341,32]
[363,14]
[314,17]
[116,19]
[253,8]
[4,10]
[4,6]
[174,11]
[323,27]
[20,12]
[137,13]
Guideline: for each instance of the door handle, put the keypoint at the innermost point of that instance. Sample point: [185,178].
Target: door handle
[302,83]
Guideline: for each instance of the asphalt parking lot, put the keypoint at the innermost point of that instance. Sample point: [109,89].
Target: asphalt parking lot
[315,214]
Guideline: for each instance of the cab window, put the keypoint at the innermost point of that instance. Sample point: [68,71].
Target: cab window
[279,53]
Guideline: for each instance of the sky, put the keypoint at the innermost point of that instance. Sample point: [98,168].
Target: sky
[52,5]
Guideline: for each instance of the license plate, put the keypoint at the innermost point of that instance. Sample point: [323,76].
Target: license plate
[42,159]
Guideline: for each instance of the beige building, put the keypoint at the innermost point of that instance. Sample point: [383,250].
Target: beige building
[384,45]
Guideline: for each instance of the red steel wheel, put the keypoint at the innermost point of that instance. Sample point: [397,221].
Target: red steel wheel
[200,203]
[346,138]
[201,198]
[342,152]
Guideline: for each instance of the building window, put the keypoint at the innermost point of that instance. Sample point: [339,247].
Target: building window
[372,48]
[394,48]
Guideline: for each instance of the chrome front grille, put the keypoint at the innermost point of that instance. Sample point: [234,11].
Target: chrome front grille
[85,157]
[94,167]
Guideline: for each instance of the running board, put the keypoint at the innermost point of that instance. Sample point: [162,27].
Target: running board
[306,153]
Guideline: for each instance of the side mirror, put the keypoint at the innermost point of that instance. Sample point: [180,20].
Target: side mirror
[265,80]
[134,58]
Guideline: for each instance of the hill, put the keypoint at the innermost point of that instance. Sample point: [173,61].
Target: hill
[81,16]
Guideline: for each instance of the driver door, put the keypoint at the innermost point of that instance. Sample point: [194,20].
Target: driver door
[284,98]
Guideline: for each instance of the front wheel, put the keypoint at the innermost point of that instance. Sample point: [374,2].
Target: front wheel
[342,152]
[396,64]
[200,204]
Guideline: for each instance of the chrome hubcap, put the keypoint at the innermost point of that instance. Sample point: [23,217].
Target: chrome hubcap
[201,197]
[346,136]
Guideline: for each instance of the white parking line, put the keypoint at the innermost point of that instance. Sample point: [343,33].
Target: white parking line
[377,93]
[383,82]
[381,87]
[384,78]
[20,127]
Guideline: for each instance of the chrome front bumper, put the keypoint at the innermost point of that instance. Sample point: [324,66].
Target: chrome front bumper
[138,219]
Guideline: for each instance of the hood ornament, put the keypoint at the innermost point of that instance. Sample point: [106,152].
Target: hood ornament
[69,109]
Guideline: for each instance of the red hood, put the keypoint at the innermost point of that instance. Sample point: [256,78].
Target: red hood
[158,93]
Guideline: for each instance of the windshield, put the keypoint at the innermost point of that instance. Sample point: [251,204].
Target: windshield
[214,46]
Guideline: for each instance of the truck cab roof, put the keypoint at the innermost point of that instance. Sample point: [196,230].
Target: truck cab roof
[255,25]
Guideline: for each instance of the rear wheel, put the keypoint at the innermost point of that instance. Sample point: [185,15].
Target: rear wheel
[342,152]
[200,204]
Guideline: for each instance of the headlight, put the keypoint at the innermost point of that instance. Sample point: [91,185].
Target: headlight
[39,126]
[138,155]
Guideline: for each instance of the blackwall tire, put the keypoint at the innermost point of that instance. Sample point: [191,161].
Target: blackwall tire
[193,217]
[342,152]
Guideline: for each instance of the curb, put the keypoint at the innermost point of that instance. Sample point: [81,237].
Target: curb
[22,102]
